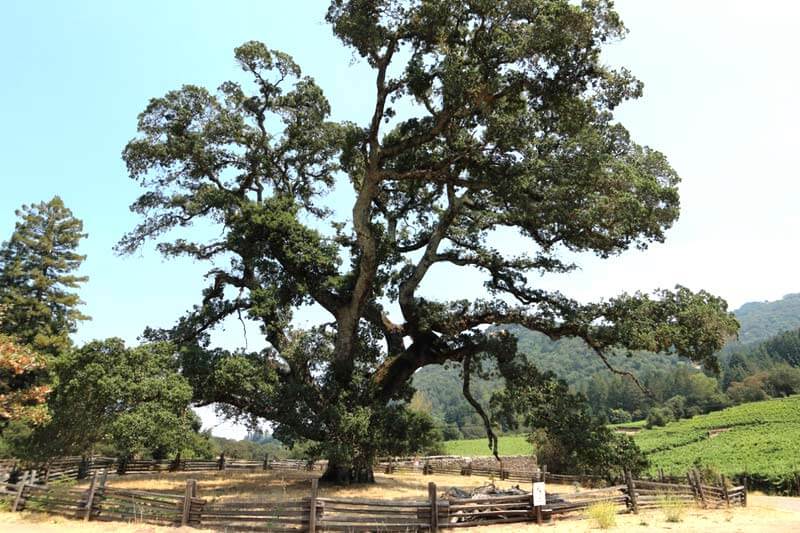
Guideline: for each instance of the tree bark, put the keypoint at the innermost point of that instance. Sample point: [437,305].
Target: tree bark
[347,474]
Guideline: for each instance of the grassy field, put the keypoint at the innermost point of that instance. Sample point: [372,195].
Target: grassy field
[508,445]
[761,439]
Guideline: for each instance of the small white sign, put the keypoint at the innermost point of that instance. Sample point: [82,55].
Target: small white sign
[539,497]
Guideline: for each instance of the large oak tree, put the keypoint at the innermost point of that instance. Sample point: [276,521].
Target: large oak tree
[488,117]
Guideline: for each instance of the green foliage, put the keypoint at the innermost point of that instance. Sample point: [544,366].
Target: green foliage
[131,399]
[566,437]
[37,276]
[619,416]
[609,395]
[748,368]
[758,439]
[486,119]
[762,320]
[248,450]
[659,416]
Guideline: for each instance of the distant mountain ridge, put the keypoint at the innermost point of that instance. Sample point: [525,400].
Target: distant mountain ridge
[762,320]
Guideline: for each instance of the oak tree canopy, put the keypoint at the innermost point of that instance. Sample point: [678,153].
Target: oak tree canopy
[487,117]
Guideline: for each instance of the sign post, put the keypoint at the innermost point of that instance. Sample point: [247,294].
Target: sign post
[539,499]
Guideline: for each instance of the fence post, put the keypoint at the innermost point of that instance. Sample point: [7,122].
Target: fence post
[691,486]
[90,497]
[544,473]
[20,490]
[100,492]
[14,475]
[266,462]
[536,509]
[221,462]
[434,503]
[122,465]
[189,493]
[83,468]
[631,491]
[700,490]
[175,465]
[744,494]
[725,490]
[312,506]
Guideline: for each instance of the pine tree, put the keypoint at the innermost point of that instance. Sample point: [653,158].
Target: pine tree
[37,274]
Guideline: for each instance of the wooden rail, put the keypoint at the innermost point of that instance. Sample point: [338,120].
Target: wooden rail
[100,502]
[76,468]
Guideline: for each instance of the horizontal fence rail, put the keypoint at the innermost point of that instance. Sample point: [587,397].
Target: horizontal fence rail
[100,502]
[76,468]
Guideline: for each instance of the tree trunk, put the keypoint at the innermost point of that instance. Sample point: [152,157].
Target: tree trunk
[347,474]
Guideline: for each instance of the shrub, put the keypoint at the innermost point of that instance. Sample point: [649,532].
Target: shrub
[604,514]
[619,416]
[672,507]
[659,416]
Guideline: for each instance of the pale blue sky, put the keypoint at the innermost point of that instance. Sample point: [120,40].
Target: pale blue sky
[720,100]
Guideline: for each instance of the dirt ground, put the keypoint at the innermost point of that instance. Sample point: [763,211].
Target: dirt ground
[764,514]
[270,486]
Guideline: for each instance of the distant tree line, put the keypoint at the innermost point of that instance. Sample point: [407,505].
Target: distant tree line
[673,388]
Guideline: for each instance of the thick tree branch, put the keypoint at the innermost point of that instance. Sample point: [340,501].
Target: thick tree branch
[409,286]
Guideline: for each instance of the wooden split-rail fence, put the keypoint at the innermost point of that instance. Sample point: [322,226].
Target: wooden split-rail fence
[77,468]
[426,467]
[312,513]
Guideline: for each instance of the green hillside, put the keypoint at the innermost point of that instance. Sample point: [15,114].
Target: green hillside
[614,397]
[762,320]
[760,439]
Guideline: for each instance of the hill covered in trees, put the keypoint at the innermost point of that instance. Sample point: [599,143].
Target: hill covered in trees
[762,320]
[760,364]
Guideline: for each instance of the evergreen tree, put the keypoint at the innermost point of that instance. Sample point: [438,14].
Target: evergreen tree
[37,276]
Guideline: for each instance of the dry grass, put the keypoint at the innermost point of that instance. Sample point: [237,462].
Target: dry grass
[42,523]
[754,519]
[603,514]
[289,485]
[672,507]
[764,514]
